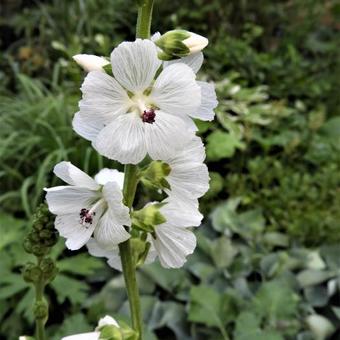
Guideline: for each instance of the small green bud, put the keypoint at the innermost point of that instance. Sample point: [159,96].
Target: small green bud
[110,332]
[155,175]
[148,217]
[40,310]
[31,272]
[180,43]
[49,269]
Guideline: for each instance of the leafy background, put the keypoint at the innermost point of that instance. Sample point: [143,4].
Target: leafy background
[268,256]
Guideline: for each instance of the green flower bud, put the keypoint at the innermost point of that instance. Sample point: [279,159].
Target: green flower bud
[110,332]
[148,217]
[155,175]
[180,43]
[40,310]
[49,269]
[31,272]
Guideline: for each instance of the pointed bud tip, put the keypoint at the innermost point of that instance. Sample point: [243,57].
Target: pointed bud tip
[90,62]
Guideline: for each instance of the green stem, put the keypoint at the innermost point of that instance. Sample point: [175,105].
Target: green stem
[40,323]
[129,190]
[144,19]
[126,254]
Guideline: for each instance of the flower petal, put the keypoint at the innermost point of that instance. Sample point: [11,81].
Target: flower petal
[110,229]
[110,175]
[181,213]
[83,336]
[103,100]
[69,199]
[166,136]
[134,64]
[175,90]
[123,140]
[188,180]
[173,245]
[209,102]
[76,234]
[87,128]
[74,176]
[194,60]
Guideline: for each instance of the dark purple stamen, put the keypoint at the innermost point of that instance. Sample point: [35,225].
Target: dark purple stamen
[149,116]
[86,216]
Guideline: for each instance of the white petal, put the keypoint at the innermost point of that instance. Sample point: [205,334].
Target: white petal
[107,320]
[87,128]
[195,42]
[134,64]
[181,213]
[103,100]
[194,60]
[68,199]
[173,245]
[192,152]
[90,62]
[175,90]
[155,36]
[83,336]
[110,175]
[76,234]
[166,136]
[112,255]
[123,140]
[189,180]
[110,229]
[74,176]
[209,102]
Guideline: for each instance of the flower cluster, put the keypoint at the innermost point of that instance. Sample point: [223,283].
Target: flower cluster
[138,108]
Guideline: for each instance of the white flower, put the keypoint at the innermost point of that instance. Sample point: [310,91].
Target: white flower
[107,320]
[189,176]
[174,241]
[131,114]
[90,62]
[112,254]
[88,206]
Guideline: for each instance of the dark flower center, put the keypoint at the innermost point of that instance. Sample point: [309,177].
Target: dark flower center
[149,116]
[86,217]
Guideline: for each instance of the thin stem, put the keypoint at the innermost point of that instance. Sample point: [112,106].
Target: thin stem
[39,297]
[129,191]
[126,254]
[144,19]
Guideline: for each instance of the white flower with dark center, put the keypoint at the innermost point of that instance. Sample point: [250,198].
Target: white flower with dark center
[106,321]
[189,176]
[89,206]
[173,240]
[138,111]
[112,254]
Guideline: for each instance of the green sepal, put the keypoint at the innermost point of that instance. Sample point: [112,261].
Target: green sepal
[155,175]
[143,255]
[171,43]
[108,69]
[147,218]
[111,332]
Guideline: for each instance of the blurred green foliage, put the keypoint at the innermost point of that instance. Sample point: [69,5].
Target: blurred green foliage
[267,262]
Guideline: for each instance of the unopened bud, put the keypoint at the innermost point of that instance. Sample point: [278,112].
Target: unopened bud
[180,43]
[90,62]
[49,269]
[40,310]
[31,273]
[155,175]
[147,218]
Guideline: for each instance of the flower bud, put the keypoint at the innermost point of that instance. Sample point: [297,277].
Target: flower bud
[31,272]
[180,43]
[147,218]
[155,175]
[40,310]
[48,268]
[90,62]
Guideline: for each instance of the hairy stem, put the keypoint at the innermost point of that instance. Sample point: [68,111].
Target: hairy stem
[144,19]
[126,254]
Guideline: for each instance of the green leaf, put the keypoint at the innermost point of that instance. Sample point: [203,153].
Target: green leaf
[206,307]
[222,145]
